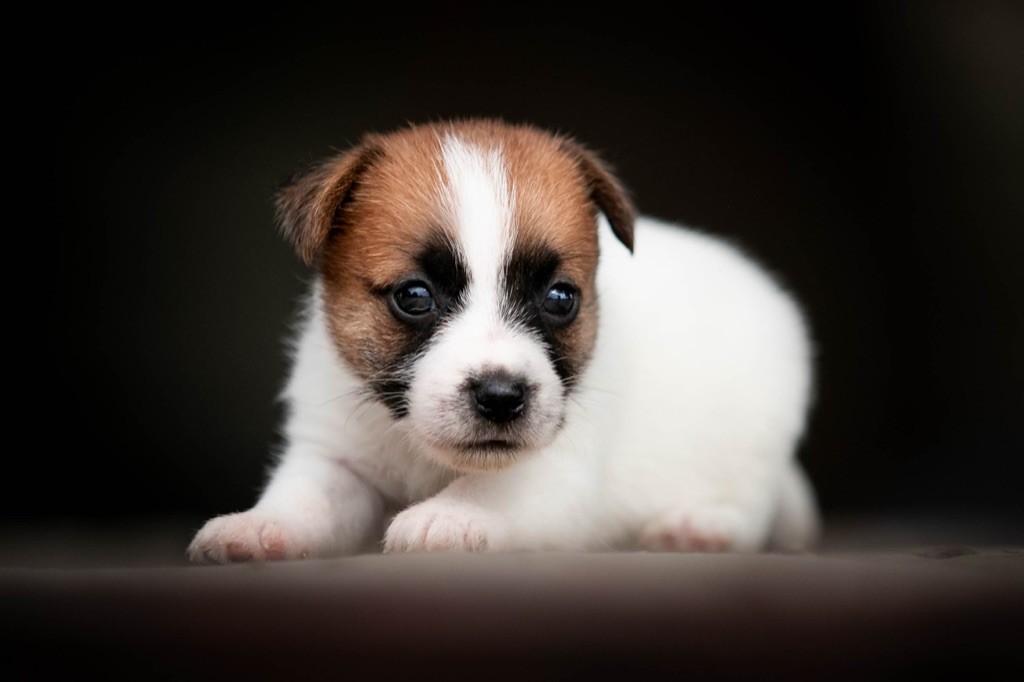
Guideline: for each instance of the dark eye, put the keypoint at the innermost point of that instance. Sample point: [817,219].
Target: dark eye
[412,301]
[560,302]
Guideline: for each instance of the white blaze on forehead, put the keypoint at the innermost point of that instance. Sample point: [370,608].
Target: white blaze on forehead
[480,202]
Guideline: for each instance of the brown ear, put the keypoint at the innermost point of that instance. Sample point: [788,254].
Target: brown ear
[309,205]
[606,191]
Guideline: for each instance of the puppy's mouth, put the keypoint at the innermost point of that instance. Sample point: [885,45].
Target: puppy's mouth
[494,445]
[490,454]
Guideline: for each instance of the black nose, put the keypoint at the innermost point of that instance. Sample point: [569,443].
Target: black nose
[499,397]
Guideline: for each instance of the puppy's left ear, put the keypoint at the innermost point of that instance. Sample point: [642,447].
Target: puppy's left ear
[605,191]
[311,204]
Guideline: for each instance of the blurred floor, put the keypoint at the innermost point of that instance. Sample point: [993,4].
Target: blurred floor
[162,541]
[882,597]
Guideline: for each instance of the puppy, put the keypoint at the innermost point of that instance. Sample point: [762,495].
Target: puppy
[483,356]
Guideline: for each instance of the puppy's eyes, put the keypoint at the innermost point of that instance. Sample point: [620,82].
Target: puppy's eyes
[412,301]
[560,303]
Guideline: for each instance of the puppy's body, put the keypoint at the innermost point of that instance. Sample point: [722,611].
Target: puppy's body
[667,420]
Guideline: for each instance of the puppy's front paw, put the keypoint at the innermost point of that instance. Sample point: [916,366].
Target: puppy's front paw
[704,529]
[435,525]
[246,536]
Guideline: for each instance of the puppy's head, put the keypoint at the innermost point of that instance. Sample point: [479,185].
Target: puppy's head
[458,264]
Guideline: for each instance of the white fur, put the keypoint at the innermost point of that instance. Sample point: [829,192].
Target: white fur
[679,436]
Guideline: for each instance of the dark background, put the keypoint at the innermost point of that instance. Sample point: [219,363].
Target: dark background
[873,157]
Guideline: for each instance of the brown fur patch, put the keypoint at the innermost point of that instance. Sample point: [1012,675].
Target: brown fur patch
[307,205]
[392,213]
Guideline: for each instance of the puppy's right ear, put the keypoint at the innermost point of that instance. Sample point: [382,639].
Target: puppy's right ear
[310,205]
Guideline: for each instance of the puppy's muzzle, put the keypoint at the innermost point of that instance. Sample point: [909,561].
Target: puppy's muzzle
[499,397]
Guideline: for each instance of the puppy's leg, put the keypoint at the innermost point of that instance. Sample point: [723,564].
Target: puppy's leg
[313,506]
[756,510]
[710,528]
[547,502]
[797,524]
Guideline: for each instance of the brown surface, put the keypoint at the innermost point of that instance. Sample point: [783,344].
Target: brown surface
[847,613]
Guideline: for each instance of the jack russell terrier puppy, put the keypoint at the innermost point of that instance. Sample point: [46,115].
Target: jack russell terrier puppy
[483,355]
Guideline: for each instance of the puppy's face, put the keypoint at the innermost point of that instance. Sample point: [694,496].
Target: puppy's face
[458,264]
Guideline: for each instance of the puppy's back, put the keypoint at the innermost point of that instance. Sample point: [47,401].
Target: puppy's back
[705,360]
